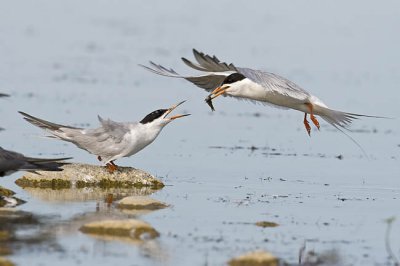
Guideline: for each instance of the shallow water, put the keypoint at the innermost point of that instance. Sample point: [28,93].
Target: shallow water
[70,61]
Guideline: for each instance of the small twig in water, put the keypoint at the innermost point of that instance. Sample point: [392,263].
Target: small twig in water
[301,252]
[389,250]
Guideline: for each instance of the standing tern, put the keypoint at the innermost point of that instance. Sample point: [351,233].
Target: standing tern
[112,140]
[219,78]
[11,162]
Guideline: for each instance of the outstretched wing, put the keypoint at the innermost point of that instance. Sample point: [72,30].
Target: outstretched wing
[207,63]
[275,83]
[207,81]
[216,71]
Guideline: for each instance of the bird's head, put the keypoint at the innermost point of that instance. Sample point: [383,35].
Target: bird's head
[160,118]
[231,85]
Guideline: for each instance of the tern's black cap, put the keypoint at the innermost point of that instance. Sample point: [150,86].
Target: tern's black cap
[233,78]
[153,115]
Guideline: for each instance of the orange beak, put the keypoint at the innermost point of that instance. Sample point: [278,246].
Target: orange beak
[175,116]
[218,91]
[178,116]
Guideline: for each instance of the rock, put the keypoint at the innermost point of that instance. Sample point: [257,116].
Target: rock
[255,258]
[5,262]
[14,216]
[134,229]
[6,192]
[84,175]
[267,224]
[6,199]
[141,203]
[85,194]
[4,235]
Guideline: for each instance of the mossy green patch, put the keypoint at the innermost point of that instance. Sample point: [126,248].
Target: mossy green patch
[5,262]
[133,229]
[6,192]
[44,183]
[103,183]
[267,224]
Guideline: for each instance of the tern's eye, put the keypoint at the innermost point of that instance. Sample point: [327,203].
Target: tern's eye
[232,78]
[153,115]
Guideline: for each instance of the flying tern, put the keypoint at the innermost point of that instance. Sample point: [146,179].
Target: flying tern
[112,140]
[220,78]
[11,162]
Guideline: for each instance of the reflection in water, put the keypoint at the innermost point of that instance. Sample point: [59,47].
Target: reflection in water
[23,231]
[85,194]
[147,244]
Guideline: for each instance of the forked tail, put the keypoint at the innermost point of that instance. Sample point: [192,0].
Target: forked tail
[341,121]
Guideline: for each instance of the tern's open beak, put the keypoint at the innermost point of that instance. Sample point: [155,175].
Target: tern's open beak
[175,116]
[218,91]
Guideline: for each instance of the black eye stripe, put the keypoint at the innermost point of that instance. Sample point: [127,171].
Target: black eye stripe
[153,115]
[233,78]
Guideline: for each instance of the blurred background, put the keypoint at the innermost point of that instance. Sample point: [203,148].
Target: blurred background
[69,61]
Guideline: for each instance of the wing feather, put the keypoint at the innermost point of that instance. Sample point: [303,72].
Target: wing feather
[207,63]
[275,83]
[206,81]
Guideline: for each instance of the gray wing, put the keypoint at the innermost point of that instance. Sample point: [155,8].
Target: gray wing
[4,95]
[106,141]
[112,130]
[274,83]
[216,71]
[207,63]
[205,81]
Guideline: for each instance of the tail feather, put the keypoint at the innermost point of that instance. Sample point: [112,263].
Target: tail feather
[338,118]
[43,123]
[46,164]
[46,160]
[341,121]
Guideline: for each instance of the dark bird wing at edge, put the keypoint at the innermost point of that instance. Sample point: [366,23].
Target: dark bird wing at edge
[11,161]
[4,95]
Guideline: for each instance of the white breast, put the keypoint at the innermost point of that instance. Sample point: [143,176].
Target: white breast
[139,138]
[269,94]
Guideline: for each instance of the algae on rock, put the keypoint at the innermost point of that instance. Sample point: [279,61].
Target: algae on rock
[84,175]
[141,203]
[132,228]
[255,258]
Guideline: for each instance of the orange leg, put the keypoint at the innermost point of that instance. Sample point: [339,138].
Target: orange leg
[111,167]
[109,199]
[313,118]
[307,125]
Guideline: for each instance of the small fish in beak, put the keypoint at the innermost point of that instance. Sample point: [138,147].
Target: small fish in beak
[214,94]
[209,102]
